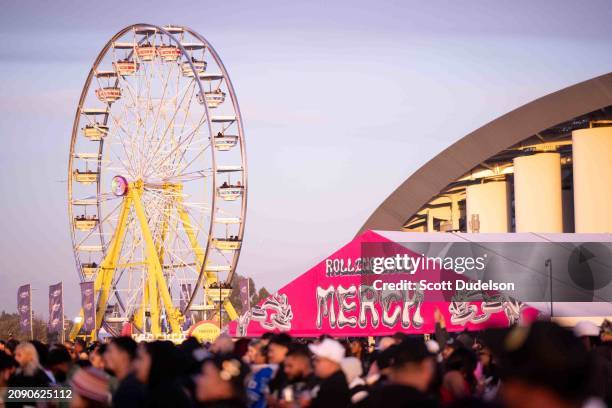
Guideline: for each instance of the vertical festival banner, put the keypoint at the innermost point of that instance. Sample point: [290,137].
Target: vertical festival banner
[244,295]
[56,308]
[88,305]
[183,299]
[24,307]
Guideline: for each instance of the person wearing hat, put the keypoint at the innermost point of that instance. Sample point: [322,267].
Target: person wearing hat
[333,390]
[411,373]
[90,389]
[588,332]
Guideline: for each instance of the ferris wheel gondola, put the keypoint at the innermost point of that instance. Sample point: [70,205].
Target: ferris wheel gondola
[153,223]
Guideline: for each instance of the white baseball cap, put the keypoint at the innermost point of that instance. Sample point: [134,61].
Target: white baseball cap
[586,328]
[329,349]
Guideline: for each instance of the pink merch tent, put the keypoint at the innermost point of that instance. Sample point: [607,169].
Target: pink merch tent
[335,297]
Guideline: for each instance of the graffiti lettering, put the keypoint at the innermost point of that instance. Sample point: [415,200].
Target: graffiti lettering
[274,314]
[462,312]
[337,305]
[367,297]
[324,308]
[346,306]
[387,297]
[415,301]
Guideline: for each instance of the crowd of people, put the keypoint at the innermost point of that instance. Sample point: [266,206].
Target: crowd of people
[541,365]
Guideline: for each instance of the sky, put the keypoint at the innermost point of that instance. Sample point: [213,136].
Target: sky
[341,101]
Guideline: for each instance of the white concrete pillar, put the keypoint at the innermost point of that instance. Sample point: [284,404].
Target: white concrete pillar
[455,213]
[430,218]
[568,210]
[489,201]
[537,193]
[592,163]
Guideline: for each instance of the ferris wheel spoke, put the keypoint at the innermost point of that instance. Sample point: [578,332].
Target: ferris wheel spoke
[170,125]
[186,140]
[176,256]
[135,151]
[129,152]
[180,170]
[190,176]
[204,208]
[116,119]
[171,122]
[136,112]
[144,81]
[183,125]
[199,226]
[148,139]
[172,170]
[99,198]
[123,166]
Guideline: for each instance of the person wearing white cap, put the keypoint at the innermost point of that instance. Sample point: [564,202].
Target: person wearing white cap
[585,331]
[333,390]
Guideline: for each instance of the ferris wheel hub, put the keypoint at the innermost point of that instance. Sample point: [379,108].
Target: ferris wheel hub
[119,186]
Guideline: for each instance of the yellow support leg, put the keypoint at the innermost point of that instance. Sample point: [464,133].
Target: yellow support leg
[76,327]
[104,278]
[155,273]
[139,314]
[155,288]
[229,309]
[108,266]
[154,314]
[195,245]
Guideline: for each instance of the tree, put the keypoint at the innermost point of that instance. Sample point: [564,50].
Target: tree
[9,328]
[255,296]
[262,294]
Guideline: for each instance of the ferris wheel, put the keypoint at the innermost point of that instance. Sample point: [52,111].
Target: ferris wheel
[157,184]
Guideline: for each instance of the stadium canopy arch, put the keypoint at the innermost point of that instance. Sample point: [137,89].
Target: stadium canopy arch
[546,124]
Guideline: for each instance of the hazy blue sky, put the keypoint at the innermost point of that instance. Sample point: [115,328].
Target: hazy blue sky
[342,100]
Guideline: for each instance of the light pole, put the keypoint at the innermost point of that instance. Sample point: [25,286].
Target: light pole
[220,300]
[548,264]
[63,332]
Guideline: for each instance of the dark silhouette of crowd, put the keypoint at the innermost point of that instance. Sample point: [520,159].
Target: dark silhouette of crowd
[539,365]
